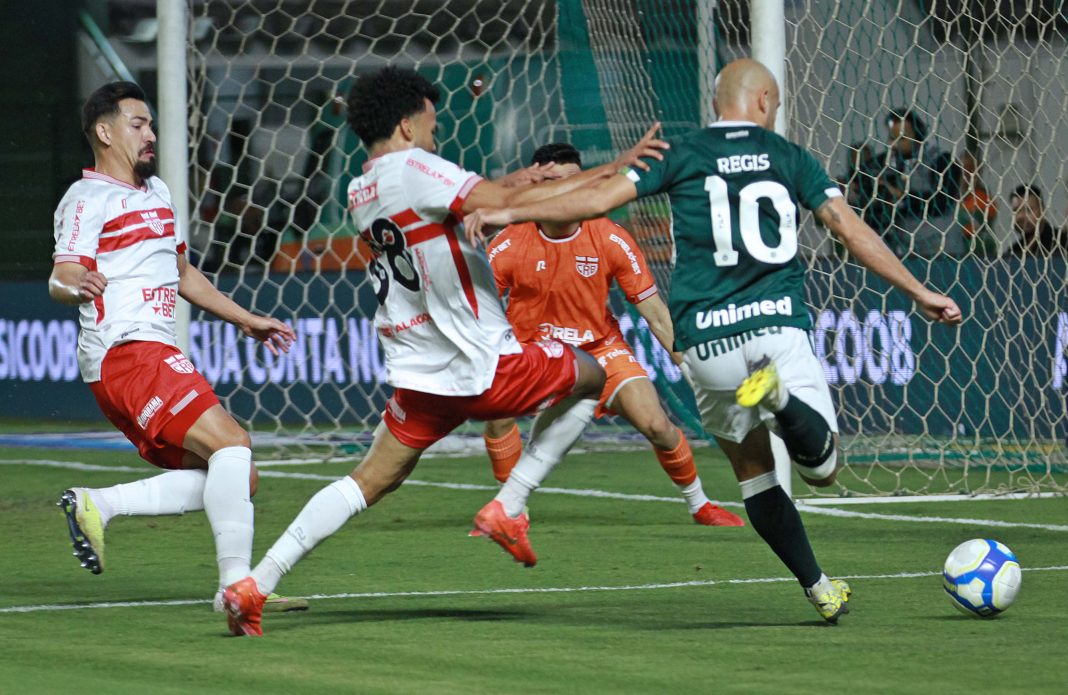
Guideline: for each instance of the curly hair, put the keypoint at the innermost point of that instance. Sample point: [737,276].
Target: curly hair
[559,152]
[104,103]
[379,101]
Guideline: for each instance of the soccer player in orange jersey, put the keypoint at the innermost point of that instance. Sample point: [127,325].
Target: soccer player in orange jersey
[557,277]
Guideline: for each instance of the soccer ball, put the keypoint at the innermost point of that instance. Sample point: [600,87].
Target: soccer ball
[981,577]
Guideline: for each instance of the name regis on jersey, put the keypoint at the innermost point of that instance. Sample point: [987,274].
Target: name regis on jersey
[566,334]
[738,163]
[630,254]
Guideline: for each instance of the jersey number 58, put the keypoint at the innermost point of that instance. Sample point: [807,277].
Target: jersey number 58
[392,261]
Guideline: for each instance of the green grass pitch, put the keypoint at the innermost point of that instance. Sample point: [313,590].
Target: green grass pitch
[628,596]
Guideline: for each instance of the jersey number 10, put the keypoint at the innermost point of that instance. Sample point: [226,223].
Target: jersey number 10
[749,222]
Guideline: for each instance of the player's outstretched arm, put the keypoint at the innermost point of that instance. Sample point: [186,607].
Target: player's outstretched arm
[650,146]
[656,314]
[535,173]
[517,190]
[198,290]
[869,249]
[580,204]
[74,284]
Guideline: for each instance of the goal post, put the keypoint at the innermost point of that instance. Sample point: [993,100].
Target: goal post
[923,409]
[171,49]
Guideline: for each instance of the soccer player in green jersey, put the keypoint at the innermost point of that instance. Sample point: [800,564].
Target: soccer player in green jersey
[737,296]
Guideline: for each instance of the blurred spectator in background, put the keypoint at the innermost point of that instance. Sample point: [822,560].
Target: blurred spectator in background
[243,235]
[977,210]
[1034,234]
[922,185]
[860,184]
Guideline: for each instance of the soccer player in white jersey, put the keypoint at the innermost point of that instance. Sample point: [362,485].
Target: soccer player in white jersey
[450,353]
[120,258]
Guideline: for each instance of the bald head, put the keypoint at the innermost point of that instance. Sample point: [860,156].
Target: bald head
[747,91]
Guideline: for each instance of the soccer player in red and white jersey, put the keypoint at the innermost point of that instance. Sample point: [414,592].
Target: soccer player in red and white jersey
[450,353]
[120,258]
[558,277]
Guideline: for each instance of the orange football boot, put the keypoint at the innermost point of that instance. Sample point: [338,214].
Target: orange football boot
[507,532]
[244,607]
[712,515]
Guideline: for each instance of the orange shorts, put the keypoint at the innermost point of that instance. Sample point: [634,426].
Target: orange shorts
[529,381]
[620,366]
[153,394]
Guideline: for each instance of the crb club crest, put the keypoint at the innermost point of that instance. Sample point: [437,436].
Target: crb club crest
[180,363]
[553,348]
[586,265]
[151,218]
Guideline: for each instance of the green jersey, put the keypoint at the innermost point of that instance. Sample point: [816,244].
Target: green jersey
[735,189]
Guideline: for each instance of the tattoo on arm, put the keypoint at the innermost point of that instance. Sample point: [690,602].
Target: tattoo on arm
[828,214]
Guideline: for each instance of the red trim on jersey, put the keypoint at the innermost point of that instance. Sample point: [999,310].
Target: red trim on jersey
[96,175]
[425,233]
[136,236]
[406,217]
[71,258]
[457,205]
[136,218]
[98,302]
[89,264]
[181,248]
[462,269]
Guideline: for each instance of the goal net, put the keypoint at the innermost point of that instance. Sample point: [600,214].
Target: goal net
[923,409]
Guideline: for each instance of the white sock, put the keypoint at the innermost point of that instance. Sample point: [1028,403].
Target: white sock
[759,484]
[323,515]
[230,512]
[694,494]
[549,441]
[173,492]
[821,587]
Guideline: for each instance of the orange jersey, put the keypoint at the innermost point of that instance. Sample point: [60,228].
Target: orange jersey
[558,288]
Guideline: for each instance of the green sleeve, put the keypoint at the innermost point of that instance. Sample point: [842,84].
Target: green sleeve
[814,187]
[659,177]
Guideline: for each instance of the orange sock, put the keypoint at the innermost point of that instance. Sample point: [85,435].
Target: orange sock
[678,463]
[504,453]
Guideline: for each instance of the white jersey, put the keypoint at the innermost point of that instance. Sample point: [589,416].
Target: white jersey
[439,318]
[132,237]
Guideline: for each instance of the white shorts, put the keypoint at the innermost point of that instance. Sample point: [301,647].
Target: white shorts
[717,368]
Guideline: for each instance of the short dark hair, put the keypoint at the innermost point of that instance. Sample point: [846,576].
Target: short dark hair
[559,152]
[104,102]
[379,101]
[1026,189]
[919,126]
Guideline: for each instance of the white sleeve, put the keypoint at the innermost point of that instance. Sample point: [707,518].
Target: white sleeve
[78,222]
[439,186]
